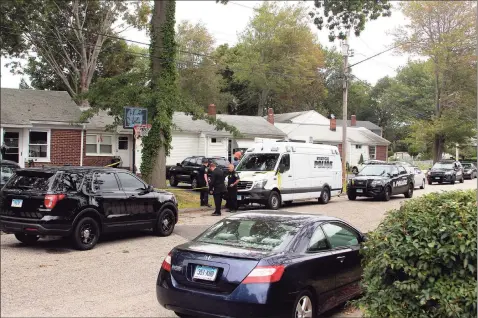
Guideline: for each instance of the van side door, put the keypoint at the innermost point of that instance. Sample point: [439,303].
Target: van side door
[286,180]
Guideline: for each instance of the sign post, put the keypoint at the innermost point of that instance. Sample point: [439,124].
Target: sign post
[134,116]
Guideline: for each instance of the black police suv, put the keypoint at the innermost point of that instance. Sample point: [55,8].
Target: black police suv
[8,168]
[82,203]
[381,181]
[446,171]
[188,170]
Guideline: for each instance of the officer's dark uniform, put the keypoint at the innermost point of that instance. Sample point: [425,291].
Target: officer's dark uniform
[202,184]
[218,188]
[232,177]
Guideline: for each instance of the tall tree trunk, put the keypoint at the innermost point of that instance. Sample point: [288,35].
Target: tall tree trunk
[438,141]
[159,19]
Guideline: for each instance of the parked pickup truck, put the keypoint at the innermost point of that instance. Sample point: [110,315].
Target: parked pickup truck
[187,171]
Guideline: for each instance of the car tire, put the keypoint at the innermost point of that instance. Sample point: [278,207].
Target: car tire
[462,179]
[355,170]
[172,181]
[180,315]
[429,182]
[304,305]
[194,183]
[274,201]
[387,193]
[453,180]
[475,175]
[86,234]
[423,184]
[409,192]
[324,196]
[165,224]
[352,196]
[27,239]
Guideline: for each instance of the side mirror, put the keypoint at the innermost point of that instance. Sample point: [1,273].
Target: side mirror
[178,164]
[281,168]
[395,175]
[150,188]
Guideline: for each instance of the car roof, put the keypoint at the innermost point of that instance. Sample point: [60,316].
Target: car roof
[54,169]
[267,214]
[9,163]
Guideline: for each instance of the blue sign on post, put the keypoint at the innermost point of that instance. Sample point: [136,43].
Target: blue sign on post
[134,116]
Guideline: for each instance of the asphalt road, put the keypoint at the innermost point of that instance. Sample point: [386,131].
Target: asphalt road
[117,278]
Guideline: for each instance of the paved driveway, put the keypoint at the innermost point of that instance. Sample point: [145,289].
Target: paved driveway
[118,277]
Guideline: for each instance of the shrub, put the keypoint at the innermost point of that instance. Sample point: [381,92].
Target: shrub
[421,260]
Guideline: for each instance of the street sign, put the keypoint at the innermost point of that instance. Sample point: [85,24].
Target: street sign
[134,116]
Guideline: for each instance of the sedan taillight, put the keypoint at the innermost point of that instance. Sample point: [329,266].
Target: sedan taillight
[52,199]
[264,274]
[167,263]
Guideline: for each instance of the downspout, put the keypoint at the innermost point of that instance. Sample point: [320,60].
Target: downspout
[81,146]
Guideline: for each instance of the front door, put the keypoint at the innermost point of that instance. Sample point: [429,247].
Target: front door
[12,146]
[123,150]
[345,244]
[286,179]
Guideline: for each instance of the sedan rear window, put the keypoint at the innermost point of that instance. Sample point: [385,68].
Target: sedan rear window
[34,181]
[263,235]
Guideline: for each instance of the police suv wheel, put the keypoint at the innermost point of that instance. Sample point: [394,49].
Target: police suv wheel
[462,179]
[409,192]
[165,223]
[324,196]
[453,180]
[86,234]
[274,201]
[172,181]
[351,196]
[387,192]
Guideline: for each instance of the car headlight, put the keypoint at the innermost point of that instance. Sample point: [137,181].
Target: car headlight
[449,173]
[260,184]
[377,183]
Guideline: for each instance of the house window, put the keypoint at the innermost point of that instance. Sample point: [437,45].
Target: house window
[98,144]
[213,140]
[38,145]
[371,152]
[123,143]
[358,146]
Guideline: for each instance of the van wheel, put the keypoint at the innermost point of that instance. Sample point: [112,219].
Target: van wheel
[86,234]
[165,224]
[324,196]
[423,184]
[274,201]
[172,181]
[27,239]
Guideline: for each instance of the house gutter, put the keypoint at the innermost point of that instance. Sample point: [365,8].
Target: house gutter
[81,146]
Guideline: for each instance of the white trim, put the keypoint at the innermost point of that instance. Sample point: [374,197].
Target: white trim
[81,147]
[48,145]
[98,154]
[61,123]
[16,126]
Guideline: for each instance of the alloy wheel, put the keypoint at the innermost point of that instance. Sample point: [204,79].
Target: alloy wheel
[166,223]
[87,233]
[304,308]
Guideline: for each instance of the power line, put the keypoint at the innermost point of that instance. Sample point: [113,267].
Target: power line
[371,57]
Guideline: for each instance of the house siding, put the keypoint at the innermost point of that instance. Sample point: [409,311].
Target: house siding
[182,146]
[217,149]
[355,153]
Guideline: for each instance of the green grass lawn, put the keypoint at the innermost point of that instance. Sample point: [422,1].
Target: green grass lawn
[186,199]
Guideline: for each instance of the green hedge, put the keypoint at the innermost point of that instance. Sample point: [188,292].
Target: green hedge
[421,260]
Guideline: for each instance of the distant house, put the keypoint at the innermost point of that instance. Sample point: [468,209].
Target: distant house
[313,117]
[312,126]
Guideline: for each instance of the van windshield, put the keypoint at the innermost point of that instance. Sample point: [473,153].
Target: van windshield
[258,162]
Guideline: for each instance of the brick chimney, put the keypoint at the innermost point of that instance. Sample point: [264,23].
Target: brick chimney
[353,121]
[211,110]
[333,123]
[270,116]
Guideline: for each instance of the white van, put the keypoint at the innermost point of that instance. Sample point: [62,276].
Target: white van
[273,173]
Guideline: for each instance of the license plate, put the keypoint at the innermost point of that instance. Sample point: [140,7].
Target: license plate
[205,273]
[437,178]
[16,203]
[239,197]
[359,191]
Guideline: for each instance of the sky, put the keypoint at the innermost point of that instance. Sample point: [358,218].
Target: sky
[225,22]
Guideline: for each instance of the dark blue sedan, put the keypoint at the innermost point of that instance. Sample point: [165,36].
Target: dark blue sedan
[263,264]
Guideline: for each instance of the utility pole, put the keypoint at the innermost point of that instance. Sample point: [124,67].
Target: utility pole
[345,54]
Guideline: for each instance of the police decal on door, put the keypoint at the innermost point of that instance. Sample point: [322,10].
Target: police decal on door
[400,183]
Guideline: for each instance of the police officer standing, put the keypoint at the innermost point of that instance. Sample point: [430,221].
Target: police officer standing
[203,183]
[232,181]
[217,187]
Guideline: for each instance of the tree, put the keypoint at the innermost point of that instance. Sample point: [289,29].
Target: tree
[340,15]
[66,36]
[199,77]
[445,33]
[23,84]
[277,55]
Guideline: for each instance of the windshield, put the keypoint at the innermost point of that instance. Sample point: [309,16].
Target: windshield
[264,235]
[221,162]
[440,165]
[39,181]
[375,170]
[467,165]
[258,162]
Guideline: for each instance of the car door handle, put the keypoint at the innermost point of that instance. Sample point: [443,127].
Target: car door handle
[132,197]
[289,176]
[341,258]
